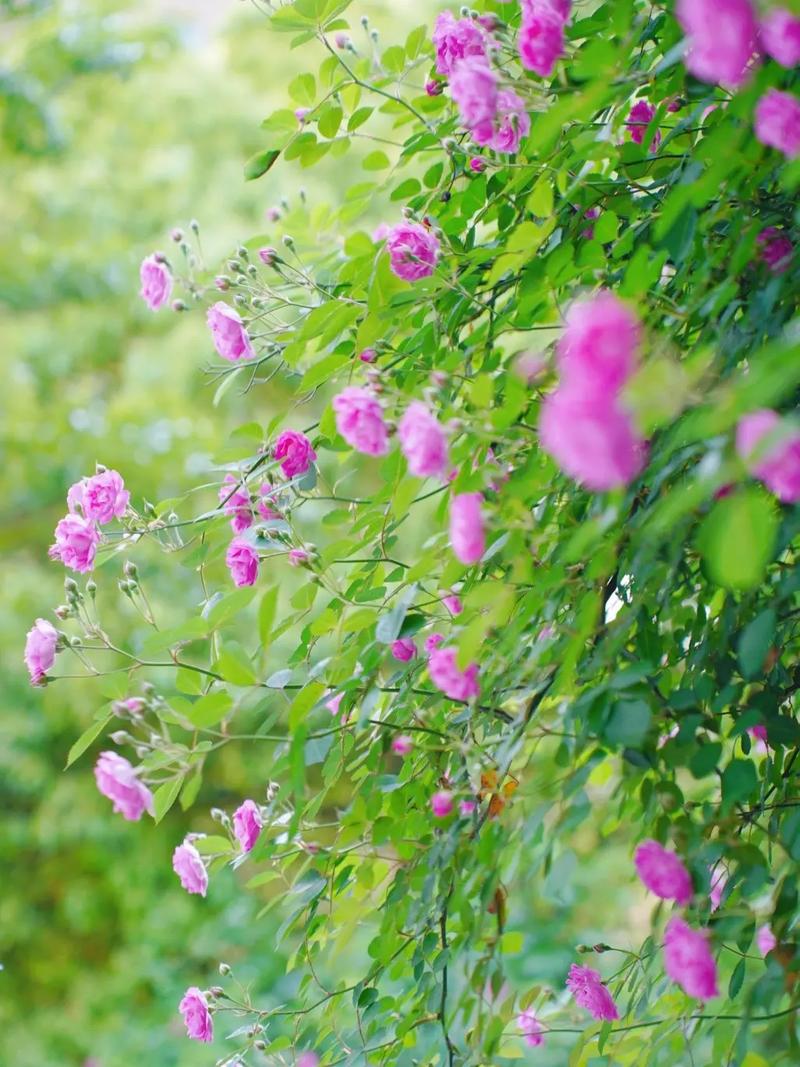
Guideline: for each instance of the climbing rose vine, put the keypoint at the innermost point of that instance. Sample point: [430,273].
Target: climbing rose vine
[510,581]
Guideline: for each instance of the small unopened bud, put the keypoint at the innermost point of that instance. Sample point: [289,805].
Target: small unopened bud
[70,586]
[273,214]
[194,226]
[242,252]
[142,751]
[374,35]
[75,642]
[159,257]
[583,949]
[130,570]
[121,737]
[365,22]
[91,588]
[251,270]
[176,235]
[260,1045]
[224,970]
[288,240]
[235,266]
[222,283]
[62,612]
[240,300]
[217,991]
[149,509]
[178,305]
[268,255]
[600,947]
[434,87]
[341,40]
[272,790]
[124,587]
[445,196]
[368,355]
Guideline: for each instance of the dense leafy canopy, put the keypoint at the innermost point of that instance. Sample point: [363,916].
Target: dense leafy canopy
[422,855]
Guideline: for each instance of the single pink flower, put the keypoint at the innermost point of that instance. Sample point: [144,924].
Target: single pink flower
[194,1009]
[156,282]
[663,872]
[599,348]
[402,745]
[766,940]
[477,165]
[434,87]
[242,561]
[721,39]
[76,543]
[423,441]
[333,705]
[413,250]
[589,992]
[453,604]
[759,736]
[473,87]
[368,355]
[294,451]
[404,649]
[40,650]
[454,39]
[102,497]
[297,557]
[593,441]
[247,824]
[688,960]
[778,465]
[541,40]
[359,419]
[641,115]
[780,36]
[778,122]
[442,804]
[719,879]
[467,536]
[273,214]
[512,123]
[448,678]
[235,500]
[775,249]
[119,781]
[230,337]
[433,641]
[341,40]
[530,1028]
[188,864]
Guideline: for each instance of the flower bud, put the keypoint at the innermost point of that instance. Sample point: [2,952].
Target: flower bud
[242,252]
[62,612]
[434,87]
[235,266]
[178,305]
[130,570]
[288,241]
[124,587]
[159,257]
[251,270]
[260,1045]
[70,586]
[222,283]
[142,751]
[368,355]
[268,256]
[91,588]
[216,991]
[365,22]
[224,970]
[121,737]
[194,225]
[176,235]
[341,40]
[240,300]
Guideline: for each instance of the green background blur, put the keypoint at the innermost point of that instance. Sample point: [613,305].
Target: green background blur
[118,122]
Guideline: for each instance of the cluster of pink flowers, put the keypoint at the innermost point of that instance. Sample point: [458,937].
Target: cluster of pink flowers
[587,988]
[777,464]
[583,424]
[156,281]
[40,650]
[228,332]
[413,249]
[119,781]
[641,115]
[92,502]
[541,34]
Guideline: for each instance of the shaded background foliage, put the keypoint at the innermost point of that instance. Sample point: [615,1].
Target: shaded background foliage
[116,125]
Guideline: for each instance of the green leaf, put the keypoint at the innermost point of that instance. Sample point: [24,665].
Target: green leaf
[737,539]
[304,702]
[165,796]
[628,723]
[260,163]
[266,614]
[739,781]
[755,642]
[90,734]
[303,89]
[210,709]
[390,624]
[234,665]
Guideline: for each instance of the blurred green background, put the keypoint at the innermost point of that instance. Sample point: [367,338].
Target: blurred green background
[119,121]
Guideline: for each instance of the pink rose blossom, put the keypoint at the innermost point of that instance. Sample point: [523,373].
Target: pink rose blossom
[433,641]
[334,703]
[778,465]
[230,338]
[294,451]
[402,745]
[359,419]
[76,543]
[434,87]
[413,250]
[102,497]
[467,536]
[593,441]
[453,604]
[266,505]
[273,214]
[662,872]
[268,255]
[688,960]
[512,123]
[473,87]
[247,824]
[454,39]
[442,804]
[40,650]
[541,39]
[467,808]
[598,350]
[477,165]
[721,39]
[641,115]
[446,676]
[423,441]
[188,864]
[780,36]
[775,249]
[156,282]
[119,781]
[766,940]
[297,557]
[759,736]
[235,500]
[404,649]
[194,1009]
[562,8]
[368,355]
[778,122]
[530,1028]
[242,561]
[589,992]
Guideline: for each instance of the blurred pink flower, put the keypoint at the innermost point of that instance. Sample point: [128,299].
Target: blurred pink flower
[589,992]
[119,781]
[359,419]
[40,650]
[467,536]
[447,677]
[778,467]
[688,960]
[156,282]
[194,1009]
[663,872]
[190,869]
[778,122]
[721,39]
[230,337]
